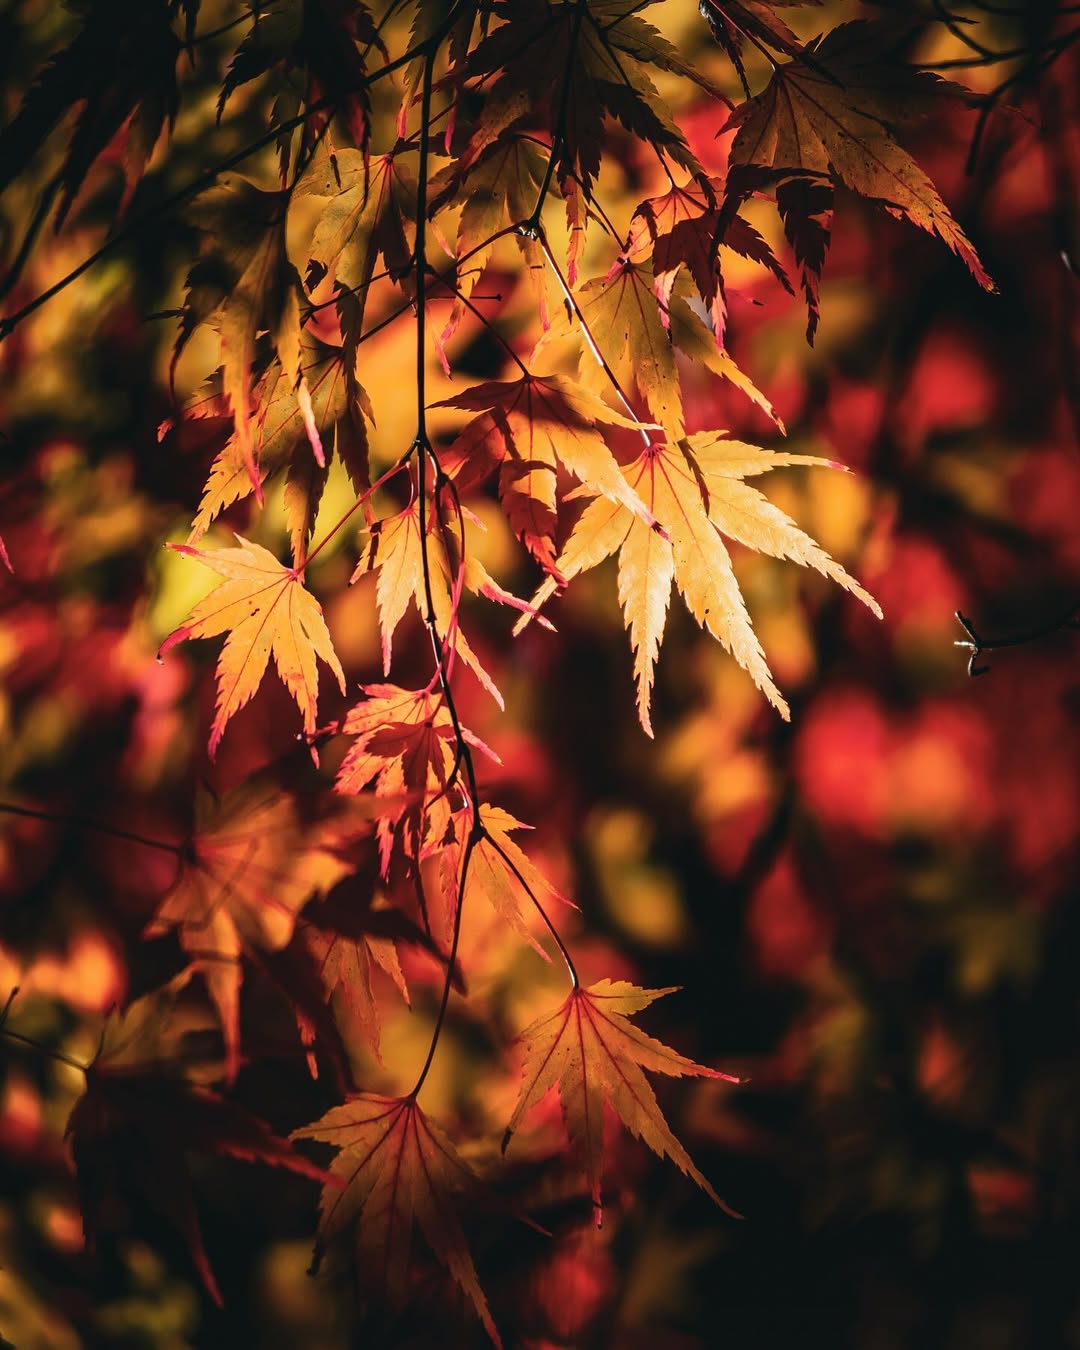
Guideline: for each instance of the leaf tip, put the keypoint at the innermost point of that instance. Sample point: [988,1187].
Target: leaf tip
[177,636]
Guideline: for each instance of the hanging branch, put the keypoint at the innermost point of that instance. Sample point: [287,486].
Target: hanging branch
[977,644]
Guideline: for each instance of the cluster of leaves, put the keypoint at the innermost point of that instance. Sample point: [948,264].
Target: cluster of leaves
[414,157]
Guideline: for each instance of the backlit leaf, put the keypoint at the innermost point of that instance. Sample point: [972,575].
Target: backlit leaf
[836,120]
[263,608]
[695,490]
[528,426]
[595,1055]
[396,1171]
[251,864]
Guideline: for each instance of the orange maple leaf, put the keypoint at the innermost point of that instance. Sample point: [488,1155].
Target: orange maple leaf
[264,608]
[395,548]
[595,1054]
[334,415]
[249,867]
[347,963]
[500,871]
[685,228]
[396,1169]
[404,745]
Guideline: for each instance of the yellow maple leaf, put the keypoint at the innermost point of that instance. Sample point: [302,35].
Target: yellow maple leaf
[696,491]
[503,874]
[625,317]
[283,432]
[595,1054]
[264,608]
[395,550]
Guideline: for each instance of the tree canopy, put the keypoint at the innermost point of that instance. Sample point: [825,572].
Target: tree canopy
[502,502]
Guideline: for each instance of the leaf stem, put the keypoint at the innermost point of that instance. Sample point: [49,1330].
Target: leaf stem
[476,833]
[563,952]
[363,497]
[561,116]
[598,355]
[467,302]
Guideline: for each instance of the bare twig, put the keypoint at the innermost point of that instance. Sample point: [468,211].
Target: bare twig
[977,644]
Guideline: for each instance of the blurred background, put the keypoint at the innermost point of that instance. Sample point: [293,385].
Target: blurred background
[872,912]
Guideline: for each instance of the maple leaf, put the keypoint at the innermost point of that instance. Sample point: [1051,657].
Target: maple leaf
[529,425]
[139,1117]
[332,962]
[245,283]
[346,965]
[497,177]
[395,1170]
[595,1054]
[836,120]
[733,21]
[404,745]
[622,311]
[685,228]
[394,549]
[250,865]
[692,336]
[695,489]
[369,205]
[336,417]
[806,208]
[407,746]
[121,67]
[601,54]
[320,41]
[498,870]
[264,608]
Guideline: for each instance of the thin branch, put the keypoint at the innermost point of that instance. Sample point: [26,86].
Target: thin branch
[949,21]
[559,137]
[598,355]
[467,302]
[1030,70]
[38,219]
[60,1056]
[363,497]
[422,445]
[968,62]
[475,835]
[209,36]
[977,644]
[563,952]
[80,822]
